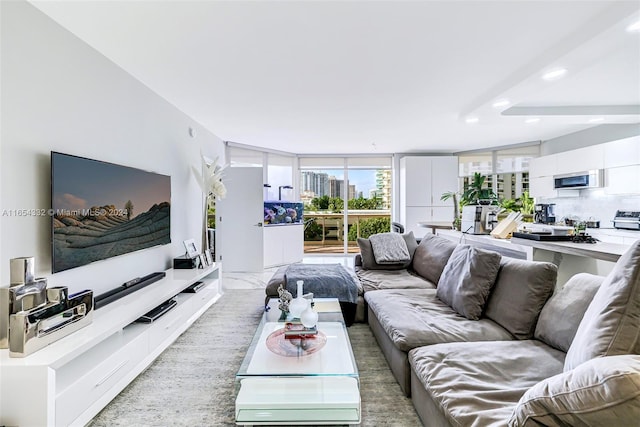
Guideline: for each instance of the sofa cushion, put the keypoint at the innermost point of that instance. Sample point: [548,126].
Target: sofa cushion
[467,279]
[611,324]
[372,280]
[416,317]
[561,315]
[389,248]
[604,391]
[479,384]
[521,289]
[369,260]
[431,256]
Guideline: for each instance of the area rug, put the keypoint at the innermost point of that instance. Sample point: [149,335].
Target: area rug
[192,382]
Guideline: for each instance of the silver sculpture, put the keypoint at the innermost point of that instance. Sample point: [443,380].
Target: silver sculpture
[285,298]
[33,316]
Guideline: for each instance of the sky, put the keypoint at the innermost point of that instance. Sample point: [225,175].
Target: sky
[80,183]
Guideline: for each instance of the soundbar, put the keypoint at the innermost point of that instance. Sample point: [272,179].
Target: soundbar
[126,288]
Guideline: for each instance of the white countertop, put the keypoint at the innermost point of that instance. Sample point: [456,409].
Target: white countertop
[600,250]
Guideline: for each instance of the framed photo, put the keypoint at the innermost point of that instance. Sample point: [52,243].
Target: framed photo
[208,256]
[190,246]
[203,261]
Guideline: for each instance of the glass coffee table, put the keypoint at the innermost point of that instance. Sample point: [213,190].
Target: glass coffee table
[297,380]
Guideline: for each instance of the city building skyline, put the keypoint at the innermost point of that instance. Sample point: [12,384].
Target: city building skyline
[323,183]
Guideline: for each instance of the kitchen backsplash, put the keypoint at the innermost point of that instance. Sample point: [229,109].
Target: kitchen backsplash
[593,204]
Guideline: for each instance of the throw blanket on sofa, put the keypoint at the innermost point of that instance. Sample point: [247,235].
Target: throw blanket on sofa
[389,248]
[324,280]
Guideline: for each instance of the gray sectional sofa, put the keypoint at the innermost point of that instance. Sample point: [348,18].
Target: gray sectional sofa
[483,340]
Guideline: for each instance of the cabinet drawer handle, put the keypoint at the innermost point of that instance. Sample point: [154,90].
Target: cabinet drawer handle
[112,373]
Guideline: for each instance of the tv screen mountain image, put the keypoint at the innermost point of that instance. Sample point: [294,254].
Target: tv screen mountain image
[101,210]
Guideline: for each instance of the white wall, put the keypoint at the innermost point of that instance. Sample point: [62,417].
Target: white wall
[59,94]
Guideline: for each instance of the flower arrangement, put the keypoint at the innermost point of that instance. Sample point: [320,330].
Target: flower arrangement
[213,188]
[212,185]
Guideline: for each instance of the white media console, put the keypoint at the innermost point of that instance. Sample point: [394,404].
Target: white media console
[71,380]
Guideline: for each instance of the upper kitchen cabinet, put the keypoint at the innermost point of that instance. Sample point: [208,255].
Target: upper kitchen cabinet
[541,171]
[622,180]
[582,159]
[624,152]
[543,166]
[542,186]
[423,180]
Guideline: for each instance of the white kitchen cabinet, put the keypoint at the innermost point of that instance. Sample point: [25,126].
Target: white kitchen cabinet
[622,180]
[415,214]
[283,244]
[582,159]
[542,187]
[417,170]
[624,152]
[69,381]
[423,180]
[543,166]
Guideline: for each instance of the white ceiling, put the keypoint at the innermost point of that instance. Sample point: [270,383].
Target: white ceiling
[374,76]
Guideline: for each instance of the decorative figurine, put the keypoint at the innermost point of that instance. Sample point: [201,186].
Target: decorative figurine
[285,298]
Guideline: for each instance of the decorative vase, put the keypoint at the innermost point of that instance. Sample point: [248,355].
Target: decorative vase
[309,317]
[299,303]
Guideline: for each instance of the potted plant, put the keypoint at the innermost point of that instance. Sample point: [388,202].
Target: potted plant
[523,204]
[476,194]
[457,207]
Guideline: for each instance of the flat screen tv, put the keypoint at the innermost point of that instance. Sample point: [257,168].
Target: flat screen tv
[101,210]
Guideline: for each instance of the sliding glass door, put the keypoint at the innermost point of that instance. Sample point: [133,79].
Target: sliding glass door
[344,198]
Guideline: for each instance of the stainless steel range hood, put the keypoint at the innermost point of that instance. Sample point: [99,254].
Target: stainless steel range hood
[579,180]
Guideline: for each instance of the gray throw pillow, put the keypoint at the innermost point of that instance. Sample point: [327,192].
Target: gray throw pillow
[467,279]
[431,256]
[369,259]
[561,315]
[601,392]
[521,289]
[611,324]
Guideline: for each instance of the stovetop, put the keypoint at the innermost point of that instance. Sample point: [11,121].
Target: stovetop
[628,214]
[584,238]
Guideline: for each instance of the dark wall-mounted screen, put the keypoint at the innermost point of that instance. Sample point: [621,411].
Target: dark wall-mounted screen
[101,210]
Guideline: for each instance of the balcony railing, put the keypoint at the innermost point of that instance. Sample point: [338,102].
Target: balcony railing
[324,232]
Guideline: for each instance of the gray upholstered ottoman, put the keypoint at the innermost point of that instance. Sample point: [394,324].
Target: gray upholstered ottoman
[331,288]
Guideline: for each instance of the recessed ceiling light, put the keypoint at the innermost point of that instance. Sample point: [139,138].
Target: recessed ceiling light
[596,120]
[554,74]
[472,120]
[500,103]
[634,27]
[532,120]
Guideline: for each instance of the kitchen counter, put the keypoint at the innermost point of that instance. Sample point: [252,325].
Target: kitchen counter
[485,241]
[571,258]
[600,250]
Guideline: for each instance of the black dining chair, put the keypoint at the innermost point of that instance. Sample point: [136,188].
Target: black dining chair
[396,227]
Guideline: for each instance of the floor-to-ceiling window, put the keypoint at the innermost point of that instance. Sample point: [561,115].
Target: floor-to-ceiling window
[345,198]
[506,172]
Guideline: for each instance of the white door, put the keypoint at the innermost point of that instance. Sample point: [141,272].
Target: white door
[239,219]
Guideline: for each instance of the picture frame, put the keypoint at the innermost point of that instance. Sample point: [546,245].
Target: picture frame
[190,246]
[208,256]
[203,261]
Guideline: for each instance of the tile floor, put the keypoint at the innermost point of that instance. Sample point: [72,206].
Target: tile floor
[259,280]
